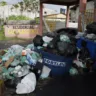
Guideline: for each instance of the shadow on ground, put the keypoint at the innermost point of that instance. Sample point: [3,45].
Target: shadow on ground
[84,85]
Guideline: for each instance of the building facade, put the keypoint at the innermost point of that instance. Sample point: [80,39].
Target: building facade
[6,11]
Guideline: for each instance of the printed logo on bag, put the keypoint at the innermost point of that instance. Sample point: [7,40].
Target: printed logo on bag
[54,63]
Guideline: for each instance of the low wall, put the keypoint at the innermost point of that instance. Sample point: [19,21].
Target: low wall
[22,31]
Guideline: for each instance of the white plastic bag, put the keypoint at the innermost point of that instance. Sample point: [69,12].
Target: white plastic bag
[21,71]
[27,84]
[78,63]
[47,39]
[16,49]
[45,72]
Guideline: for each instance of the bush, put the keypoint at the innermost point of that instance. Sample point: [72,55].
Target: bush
[37,20]
[13,17]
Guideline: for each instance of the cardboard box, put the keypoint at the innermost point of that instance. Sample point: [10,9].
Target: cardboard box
[9,62]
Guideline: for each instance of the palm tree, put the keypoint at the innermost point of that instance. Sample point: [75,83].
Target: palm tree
[22,7]
[31,5]
[3,3]
[16,6]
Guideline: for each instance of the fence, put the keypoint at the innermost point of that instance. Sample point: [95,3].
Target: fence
[55,21]
[89,16]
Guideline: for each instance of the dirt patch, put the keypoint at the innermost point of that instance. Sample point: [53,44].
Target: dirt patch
[7,44]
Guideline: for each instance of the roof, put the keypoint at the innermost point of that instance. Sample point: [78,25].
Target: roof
[60,2]
[59,16]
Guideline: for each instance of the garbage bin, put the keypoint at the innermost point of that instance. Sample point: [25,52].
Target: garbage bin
[90,45]
[59,65]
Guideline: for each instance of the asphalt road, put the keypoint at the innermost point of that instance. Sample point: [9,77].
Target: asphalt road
[7,44]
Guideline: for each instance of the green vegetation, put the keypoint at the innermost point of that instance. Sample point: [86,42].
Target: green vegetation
[37,20]
[28,5]
[13,17]
[2,36]
[3,3]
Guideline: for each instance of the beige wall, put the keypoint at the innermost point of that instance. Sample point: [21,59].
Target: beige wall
[23,31]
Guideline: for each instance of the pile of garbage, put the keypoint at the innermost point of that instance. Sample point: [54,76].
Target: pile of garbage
[22,67]
[62,42]
[83,63]
[91,31]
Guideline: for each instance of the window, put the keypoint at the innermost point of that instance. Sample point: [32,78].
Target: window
[45,12]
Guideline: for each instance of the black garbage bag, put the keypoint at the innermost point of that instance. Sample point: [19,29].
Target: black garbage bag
[71,51]
[67,49]
[52,51]
[53,43]
[84,54]
[38,41]
[89,63]
[71,31]
[62,47]
[73,40]
[91,28]
[37,70]
[75,66]
[84,44]
[12,83]
[84,51]
[50,34]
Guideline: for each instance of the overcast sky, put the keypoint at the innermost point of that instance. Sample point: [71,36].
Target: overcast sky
[54,7]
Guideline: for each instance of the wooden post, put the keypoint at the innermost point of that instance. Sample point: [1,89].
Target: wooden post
[41,18]
[67,16]
[94,10]
[82,9]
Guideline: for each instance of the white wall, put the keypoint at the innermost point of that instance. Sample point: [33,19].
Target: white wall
[6,11]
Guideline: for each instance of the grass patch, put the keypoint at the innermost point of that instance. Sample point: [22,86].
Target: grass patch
[13,17]
[2,37]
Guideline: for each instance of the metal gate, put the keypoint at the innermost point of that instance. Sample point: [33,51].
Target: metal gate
[51,22]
